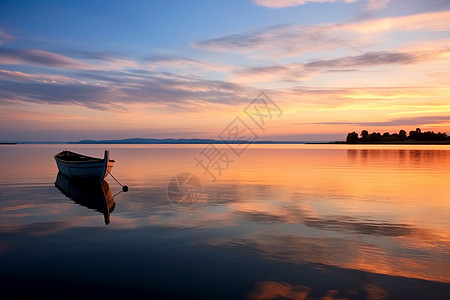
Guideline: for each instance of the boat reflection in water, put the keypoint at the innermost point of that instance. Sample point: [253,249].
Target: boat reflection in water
[93,195]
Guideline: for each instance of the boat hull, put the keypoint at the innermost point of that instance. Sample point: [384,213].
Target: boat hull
[91,170]
[84,171]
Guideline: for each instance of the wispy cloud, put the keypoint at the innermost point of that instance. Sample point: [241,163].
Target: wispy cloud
[4,36]
[157,58]
[377,4]
[116,89]
[407,7]
[379,58]
[182,65]
[294,40]
[51,92]
[89,54]
[288,73]
[40,58]
[367,98]
[279,40]
[22,76]
[369,5]
[72,59]
[413,121]
[302,72]
[424,22]
[288,3]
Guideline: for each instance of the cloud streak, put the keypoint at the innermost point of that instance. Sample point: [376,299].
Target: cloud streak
[422,120]
[5,37]
[294,40]
[296,72]
[289,73]
[278,40]
[377,4]
[289,3]
[425,22]
[40,58]
[379,58]
[108,90]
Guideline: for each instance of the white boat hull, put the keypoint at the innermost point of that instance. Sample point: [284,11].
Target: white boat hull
[91,170]
[85,171]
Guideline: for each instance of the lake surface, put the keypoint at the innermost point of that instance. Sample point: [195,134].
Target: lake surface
[274,222]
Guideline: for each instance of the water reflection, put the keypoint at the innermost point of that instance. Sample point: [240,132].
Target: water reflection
[399,156]
[271,290]
[91,195]
[291,223]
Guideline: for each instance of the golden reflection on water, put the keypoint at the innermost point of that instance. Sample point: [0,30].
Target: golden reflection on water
[267,290]
[376,210]
[379,209]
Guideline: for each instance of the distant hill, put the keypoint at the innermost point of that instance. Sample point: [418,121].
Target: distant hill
[147,141]
[174,141]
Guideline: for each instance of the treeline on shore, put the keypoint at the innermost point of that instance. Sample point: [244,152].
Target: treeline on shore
[414,136]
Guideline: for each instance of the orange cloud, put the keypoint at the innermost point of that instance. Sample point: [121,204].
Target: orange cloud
[434,21]
[377,4]
[295,72]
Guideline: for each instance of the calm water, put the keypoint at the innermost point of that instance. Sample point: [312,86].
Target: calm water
[282,222]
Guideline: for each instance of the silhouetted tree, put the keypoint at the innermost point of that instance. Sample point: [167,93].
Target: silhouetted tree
[364,134]
[374,137]
[402,135]
[431,136]
[352,138]
[415,135]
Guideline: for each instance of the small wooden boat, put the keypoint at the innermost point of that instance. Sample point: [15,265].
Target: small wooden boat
[82,167]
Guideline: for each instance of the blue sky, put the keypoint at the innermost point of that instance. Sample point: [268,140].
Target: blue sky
[185,69]
[143,27]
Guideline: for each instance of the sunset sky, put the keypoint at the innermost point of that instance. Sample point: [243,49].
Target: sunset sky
[72,70]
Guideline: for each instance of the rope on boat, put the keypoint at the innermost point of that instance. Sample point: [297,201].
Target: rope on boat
[124,187]
[114,196]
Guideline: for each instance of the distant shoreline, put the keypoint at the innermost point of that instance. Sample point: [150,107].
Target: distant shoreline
[221,143]
[141,141]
